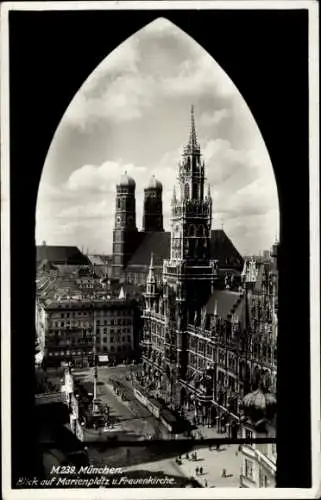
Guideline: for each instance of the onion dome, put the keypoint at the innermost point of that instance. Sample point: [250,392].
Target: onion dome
[154,183]
[126,180]
[259,405]
[258,400]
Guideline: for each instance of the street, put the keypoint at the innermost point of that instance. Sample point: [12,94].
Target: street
[133,422]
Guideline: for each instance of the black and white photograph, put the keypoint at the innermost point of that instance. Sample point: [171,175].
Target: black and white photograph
[160,248]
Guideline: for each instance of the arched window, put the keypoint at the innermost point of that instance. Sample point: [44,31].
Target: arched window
[195,191]
[118,202]
[186,191]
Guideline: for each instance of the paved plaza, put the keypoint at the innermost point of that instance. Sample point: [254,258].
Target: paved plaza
[212,462]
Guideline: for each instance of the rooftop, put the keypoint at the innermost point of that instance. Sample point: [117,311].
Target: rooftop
[57,254]
[225,302]
[158,243]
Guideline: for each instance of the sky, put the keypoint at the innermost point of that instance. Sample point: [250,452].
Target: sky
[133,114]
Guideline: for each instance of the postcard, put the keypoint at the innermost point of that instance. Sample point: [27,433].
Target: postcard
[160,249]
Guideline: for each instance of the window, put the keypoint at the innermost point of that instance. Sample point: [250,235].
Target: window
[128,338]
[186,191]
[248,469]
[111,340]
[248,434]
[195,191]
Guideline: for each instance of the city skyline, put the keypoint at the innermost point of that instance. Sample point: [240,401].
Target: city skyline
[132,114]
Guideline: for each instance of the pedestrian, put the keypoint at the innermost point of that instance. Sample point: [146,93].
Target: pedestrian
[205,483]
[197,470]
[218,447]
[201,470]
[224,473]
[187,456]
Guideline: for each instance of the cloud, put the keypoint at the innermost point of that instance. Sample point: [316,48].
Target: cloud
[103,178]
[138,74]
[215,117]
[160,27]
[123,100]
[200,75]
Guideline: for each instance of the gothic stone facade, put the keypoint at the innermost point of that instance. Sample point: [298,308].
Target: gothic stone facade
[191,356]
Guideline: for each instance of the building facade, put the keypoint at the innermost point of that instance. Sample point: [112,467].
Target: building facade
[69,327]
[77,311]
[258,460]
[258,467]
[206,341]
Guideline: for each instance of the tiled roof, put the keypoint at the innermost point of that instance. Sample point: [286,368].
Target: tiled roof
[222,249]
[156,243]
[61,255]
[223,301]
[100,260]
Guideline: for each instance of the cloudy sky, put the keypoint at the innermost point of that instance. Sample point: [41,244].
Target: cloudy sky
[133,113]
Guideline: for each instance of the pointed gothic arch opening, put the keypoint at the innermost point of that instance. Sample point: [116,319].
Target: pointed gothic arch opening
[94,170]
[186,191]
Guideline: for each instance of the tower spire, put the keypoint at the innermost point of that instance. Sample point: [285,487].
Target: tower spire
[151,274]
[151,281]
[193,137]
